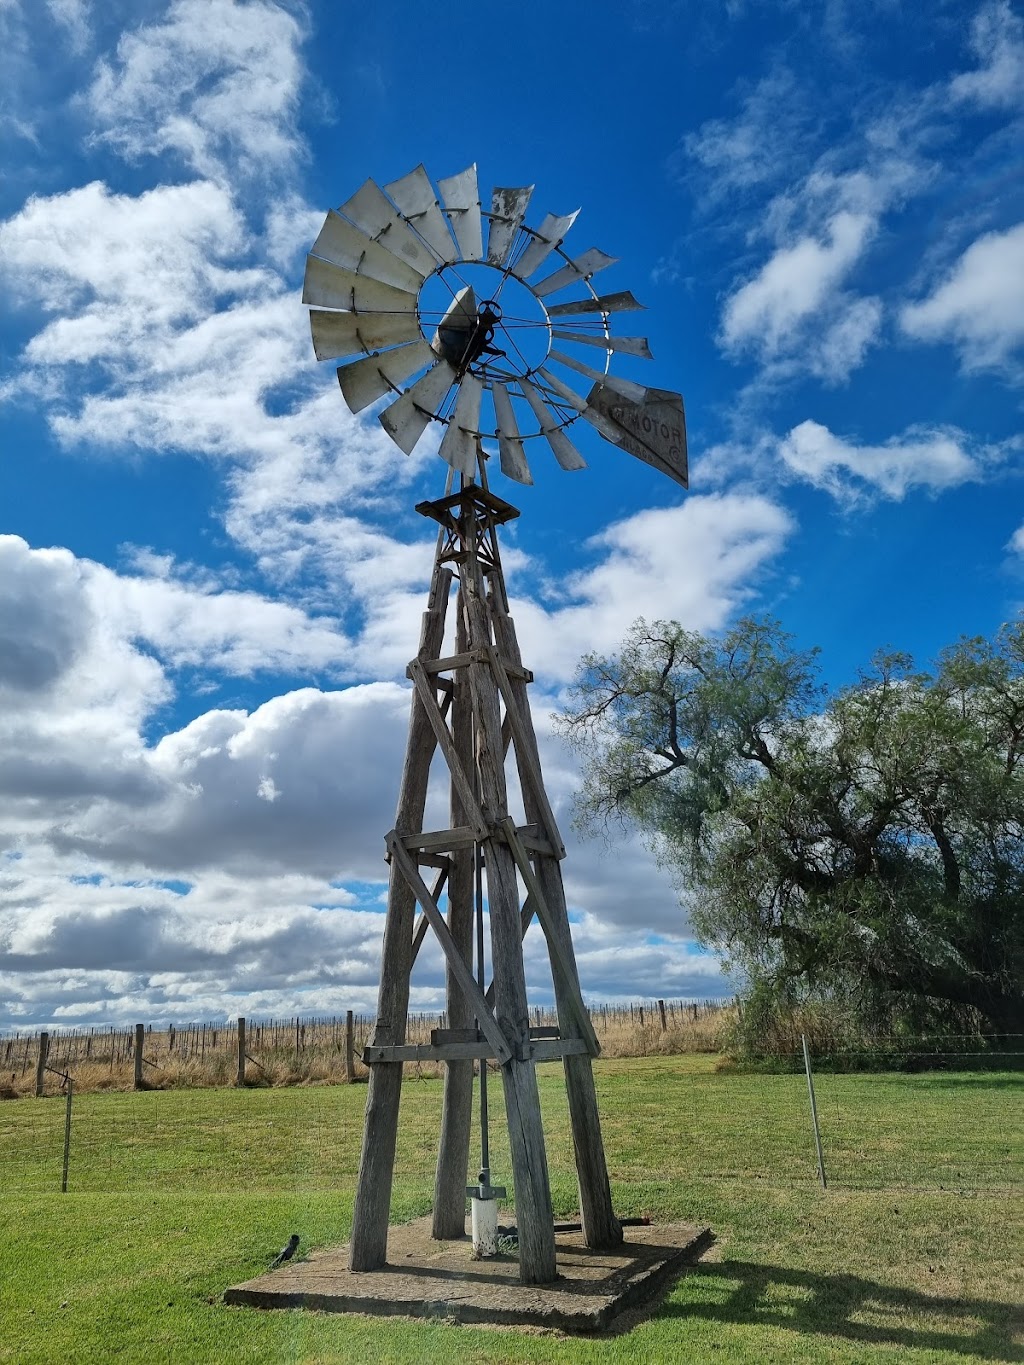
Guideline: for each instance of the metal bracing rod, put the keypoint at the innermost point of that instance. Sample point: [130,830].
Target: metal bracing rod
[485,1148]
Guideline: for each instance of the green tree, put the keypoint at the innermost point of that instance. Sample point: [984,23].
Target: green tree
[865,846]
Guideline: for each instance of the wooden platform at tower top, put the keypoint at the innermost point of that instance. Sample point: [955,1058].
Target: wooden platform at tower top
[471,711]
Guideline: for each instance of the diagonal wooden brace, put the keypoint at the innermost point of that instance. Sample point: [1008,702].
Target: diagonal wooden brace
[524,750]
[562,964]
[427,695]
[472,992]
[420,932]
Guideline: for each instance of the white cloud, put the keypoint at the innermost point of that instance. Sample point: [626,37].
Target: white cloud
[216,82]
[934,459]
[693,563]
[1016,541]
[115,264]
[979,306]
[73,17]
[262,814]
[753,148]
[997,40]
[766,313]
[332,760]
[235,632]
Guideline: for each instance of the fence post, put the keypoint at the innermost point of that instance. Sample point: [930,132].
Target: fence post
[661,1011]
[67,1138]
[350,1047]
[140,1038]
[44,1048]
[240,1078]
[814,1110]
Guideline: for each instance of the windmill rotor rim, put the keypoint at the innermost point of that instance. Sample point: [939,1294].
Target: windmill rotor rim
[365,287]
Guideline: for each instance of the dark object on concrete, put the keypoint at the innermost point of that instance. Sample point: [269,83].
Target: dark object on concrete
[432,1279]
[287,1252]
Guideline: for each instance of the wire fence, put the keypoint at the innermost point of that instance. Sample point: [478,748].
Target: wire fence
[665,1118]
[301,1050]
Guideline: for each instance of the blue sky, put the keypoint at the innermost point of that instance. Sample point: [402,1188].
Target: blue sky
[211,572]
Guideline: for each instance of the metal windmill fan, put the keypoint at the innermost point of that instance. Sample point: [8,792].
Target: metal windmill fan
[402,277]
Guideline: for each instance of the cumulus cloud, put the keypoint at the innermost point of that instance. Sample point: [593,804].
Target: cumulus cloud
[934,459]
[189,347]
[215,82]
[979,306]
[213,861]
[694,563]
[769,314]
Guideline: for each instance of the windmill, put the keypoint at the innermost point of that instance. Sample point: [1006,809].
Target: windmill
[475,338]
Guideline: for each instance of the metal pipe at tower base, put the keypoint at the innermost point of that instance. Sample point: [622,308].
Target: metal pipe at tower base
[484,1199]
[484,1224]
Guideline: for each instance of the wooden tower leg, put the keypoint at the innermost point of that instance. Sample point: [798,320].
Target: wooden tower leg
[601,1229]
[449,1214]
[534,1214]
[368,1250]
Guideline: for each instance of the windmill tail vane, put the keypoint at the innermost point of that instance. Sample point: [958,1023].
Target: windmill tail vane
[403,288]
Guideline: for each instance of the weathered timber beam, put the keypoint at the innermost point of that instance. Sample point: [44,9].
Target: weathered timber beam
[544,1050]
[463,836]
[524,751]
[460,970]
[525,920]
[470,656]
[559,958]
[420,931]
[453,1035]
[551,1049]
[443,735]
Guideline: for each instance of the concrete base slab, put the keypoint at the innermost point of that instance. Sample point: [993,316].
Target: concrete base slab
[424,1278]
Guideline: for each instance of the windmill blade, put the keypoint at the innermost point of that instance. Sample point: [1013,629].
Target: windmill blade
[580,268]
[508,209]
[627,345]
[364,381]
[623,302]
[563,449]
[462,204]
[340,334]
[459,446]
[414,195]
[510,447]
[372,211]
[550,234]
[634,392]
[407,419]
[596,419]
[342,243]
[332,286]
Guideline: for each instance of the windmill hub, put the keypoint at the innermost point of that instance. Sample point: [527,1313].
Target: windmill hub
[463,345]
[483,323]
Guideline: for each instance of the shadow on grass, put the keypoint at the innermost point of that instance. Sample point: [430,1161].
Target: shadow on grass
[849,1307]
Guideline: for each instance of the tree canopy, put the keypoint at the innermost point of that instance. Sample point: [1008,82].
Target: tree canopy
[865,845]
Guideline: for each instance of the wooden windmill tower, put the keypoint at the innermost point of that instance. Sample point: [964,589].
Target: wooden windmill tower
[396,277]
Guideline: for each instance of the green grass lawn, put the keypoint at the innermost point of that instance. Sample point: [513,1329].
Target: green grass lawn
[915,1252]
